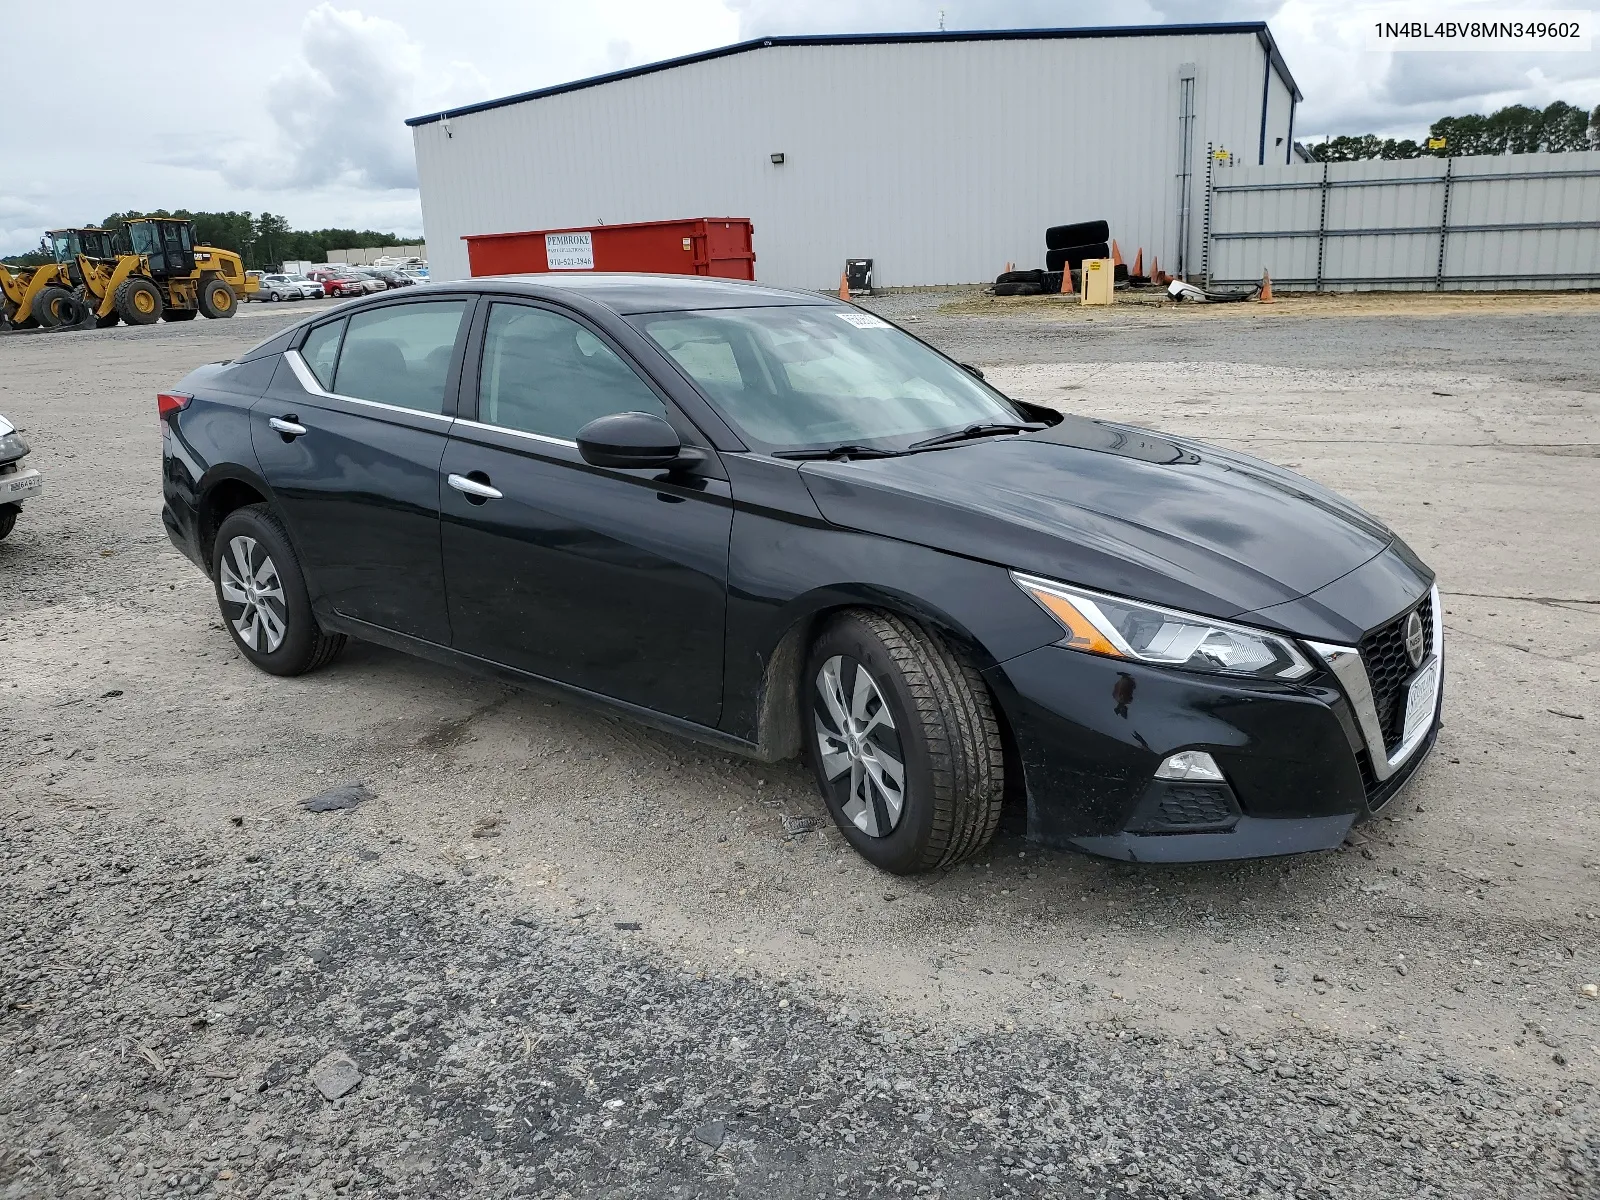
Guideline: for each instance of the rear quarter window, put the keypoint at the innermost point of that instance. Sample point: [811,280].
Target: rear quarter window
[321,351]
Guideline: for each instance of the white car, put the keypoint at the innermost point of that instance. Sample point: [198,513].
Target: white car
[288,287]
[16,482]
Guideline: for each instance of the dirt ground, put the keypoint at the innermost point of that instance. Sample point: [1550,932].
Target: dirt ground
[184,943]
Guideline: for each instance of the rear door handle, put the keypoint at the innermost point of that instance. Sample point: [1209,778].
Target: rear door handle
[289,429]
[474,489]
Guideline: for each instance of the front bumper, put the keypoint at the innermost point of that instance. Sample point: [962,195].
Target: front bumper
[17,486]
[1090,733]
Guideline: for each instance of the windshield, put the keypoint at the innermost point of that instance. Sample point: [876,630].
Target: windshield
[810,377]
[66,246]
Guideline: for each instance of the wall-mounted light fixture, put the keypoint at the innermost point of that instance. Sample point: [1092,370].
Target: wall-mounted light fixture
[777,159]
[445,125]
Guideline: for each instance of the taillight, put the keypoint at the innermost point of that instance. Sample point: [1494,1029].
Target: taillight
[168,403]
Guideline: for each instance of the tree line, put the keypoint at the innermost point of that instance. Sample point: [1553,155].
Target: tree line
[262,241]
[1515,129]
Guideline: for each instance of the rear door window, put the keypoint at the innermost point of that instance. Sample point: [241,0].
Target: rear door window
[400,354]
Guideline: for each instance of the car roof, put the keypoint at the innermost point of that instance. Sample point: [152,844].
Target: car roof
[626,293]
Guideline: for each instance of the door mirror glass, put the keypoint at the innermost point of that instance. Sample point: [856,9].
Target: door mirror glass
[630,439]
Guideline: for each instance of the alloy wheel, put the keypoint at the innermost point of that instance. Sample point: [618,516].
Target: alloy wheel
[250,582]
[859,747]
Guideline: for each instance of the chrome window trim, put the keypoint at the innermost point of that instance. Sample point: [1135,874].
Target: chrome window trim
[1347,665]
[312,384]
[521,433]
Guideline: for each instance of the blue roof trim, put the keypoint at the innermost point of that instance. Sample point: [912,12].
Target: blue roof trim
[1259,28]
[1276,58]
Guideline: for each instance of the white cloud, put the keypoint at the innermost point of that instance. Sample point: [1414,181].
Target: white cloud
[339,111]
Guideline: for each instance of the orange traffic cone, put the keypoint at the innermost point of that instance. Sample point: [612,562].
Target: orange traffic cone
[1116,255]
[1266,287]
[1066,280]
[844,285]
[1138,263]
[1155,269]
[1011,266]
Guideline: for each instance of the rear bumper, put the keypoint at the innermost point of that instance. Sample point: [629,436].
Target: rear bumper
[1090,733]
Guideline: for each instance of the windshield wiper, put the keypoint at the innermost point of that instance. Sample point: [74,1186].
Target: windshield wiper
[975,431]
[833,452]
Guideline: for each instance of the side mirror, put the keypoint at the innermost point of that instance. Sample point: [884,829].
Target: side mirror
[630,440]
[971,370]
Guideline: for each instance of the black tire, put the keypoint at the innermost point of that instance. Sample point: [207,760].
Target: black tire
[217,299]
[264,543]
[1052,283]
[1073,256]
[1020,277]
[1119,273]
[81,293]
[52,306]
[942,723]
[139,302]
[1018,289]
[179,314]
[8,518]
[1081,234]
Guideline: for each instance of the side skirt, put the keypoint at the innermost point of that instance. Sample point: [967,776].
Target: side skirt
[538,684]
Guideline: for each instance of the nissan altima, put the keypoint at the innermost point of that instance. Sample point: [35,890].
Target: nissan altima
[780,524]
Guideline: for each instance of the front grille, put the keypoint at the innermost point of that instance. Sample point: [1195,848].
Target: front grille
[1195,805]
[1388,668]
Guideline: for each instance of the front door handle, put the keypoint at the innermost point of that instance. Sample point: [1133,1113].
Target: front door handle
[287,426]
[476,490]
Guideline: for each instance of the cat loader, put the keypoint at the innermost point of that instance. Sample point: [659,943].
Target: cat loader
[35,297]
[81,255]
[159,273]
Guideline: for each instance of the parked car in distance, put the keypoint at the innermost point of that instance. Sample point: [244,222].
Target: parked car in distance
[391,277]
[372,277]
[17,483]
[287,287]
[347,284]
[780,524]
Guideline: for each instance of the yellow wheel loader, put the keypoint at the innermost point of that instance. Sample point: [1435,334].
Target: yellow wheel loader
[84,256]
[158,272]
[34,297]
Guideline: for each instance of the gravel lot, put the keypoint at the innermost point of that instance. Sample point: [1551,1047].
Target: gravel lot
[554,954]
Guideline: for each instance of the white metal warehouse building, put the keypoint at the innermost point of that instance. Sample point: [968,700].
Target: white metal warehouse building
[941,156]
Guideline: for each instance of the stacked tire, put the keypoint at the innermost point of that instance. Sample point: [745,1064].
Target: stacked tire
[1019,283]
[1067,246]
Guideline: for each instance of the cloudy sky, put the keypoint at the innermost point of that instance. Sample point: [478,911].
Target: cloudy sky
[297,107]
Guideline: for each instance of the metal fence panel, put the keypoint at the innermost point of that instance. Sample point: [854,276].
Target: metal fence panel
[1514,221]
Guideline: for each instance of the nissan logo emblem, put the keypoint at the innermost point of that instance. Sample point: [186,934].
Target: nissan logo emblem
[1415,647]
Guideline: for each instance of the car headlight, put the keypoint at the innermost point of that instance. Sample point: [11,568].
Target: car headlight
[1121,628]
[12,446]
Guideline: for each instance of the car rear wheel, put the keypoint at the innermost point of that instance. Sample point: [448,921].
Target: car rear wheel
[262,595]
[904,741]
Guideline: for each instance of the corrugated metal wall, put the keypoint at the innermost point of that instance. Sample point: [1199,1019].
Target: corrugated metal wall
[940,161]
[1517,221]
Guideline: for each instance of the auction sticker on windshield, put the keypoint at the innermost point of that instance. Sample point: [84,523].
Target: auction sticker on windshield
[863,320]
[569,251]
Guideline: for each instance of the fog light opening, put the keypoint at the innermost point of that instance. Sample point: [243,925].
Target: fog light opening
[1190,766]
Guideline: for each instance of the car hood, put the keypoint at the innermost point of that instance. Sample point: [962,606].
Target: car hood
[1114,508]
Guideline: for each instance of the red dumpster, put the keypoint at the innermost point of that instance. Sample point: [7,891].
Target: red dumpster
[720,246]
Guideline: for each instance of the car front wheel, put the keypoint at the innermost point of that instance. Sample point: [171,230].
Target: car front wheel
[262,595]
[903,738]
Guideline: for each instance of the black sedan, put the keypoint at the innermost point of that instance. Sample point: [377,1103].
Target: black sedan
[782,525]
